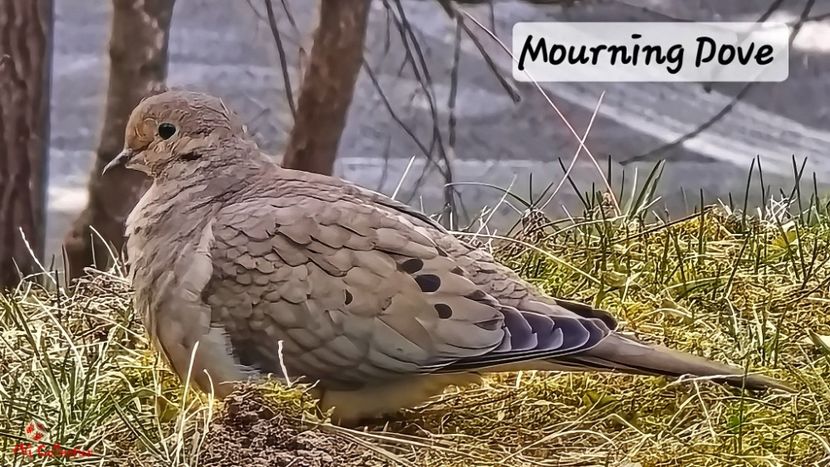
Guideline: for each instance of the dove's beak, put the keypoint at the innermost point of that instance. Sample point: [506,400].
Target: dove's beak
[122,159]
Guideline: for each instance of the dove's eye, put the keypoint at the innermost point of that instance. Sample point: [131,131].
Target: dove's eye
[166,130]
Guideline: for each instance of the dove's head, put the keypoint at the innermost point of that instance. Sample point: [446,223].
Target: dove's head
[174,129]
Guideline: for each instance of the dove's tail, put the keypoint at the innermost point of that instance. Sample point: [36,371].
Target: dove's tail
[619,353]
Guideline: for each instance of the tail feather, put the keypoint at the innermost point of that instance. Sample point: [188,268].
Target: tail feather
[619,353]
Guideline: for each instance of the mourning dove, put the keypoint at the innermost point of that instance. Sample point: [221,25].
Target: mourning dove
[242,268]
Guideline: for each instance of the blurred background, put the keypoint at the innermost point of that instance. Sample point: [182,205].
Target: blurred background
[433,93]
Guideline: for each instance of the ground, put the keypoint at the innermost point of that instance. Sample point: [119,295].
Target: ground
[250,431]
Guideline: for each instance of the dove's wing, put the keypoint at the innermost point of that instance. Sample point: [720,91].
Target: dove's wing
[358,294]
[478,264]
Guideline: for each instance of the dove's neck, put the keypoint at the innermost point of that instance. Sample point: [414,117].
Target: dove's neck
[191,194]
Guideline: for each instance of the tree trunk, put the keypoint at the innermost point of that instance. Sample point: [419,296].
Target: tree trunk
[328,85]
[25,61]
[138,68]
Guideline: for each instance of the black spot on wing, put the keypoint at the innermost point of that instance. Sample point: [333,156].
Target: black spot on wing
[444,311]
[411,266]
[428,282]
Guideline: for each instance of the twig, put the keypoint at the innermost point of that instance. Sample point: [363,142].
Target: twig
[272,23]
[400,182]
[576,154]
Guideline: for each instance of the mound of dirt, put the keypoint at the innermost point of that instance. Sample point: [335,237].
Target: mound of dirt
[249,433]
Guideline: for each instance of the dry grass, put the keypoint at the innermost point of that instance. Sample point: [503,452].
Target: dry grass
[748,290]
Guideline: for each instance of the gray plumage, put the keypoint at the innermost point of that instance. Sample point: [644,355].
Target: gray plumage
[230,254]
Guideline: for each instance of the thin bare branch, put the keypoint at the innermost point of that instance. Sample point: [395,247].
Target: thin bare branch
[286,78]
[415,57]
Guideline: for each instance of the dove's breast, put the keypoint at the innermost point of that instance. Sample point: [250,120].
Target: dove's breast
[170,237]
